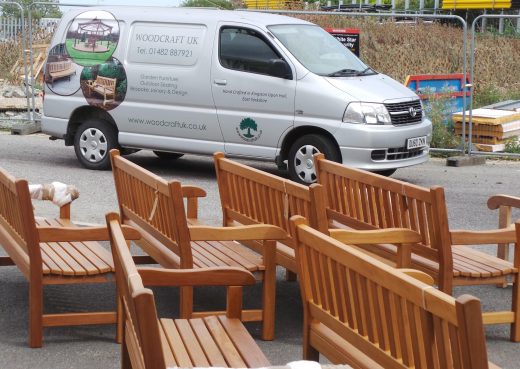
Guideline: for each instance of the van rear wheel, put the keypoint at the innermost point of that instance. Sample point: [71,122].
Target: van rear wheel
[93,141]
[300,161]
[165,155]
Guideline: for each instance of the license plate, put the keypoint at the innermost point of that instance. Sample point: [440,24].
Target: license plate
[416,142]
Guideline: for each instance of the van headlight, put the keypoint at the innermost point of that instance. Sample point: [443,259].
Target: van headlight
[366,113]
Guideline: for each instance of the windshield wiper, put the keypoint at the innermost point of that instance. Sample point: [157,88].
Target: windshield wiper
[343,72]
[364,71]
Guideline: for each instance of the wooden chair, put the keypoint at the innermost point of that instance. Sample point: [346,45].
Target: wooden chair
[156,208]
[362,312]
[152,343]
[50,251]
[251,196]
[356,199]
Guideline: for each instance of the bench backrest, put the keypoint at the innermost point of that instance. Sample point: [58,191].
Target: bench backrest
[18,234]
[251,196]
[59,66]
[393,319]
[152,205]
[107,82]
[363,200]
[142,333]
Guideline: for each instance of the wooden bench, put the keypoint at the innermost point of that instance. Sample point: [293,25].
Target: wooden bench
[362,312]
[103,86]
[50,251]
[251,196]
[60,69]
[155,207]
[356,199]
[153,343]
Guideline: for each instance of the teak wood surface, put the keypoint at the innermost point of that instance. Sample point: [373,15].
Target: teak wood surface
[153,343]
[51,251]
[362,312]
[173,237]
[356,199]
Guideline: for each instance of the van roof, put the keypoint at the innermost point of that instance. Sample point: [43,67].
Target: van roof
[197,15]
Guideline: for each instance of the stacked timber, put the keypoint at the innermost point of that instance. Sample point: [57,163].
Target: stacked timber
[492,128]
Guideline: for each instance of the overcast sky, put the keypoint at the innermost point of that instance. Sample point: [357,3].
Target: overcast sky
[120,2]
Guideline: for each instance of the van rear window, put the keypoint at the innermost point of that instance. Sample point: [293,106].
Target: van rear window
[168,44]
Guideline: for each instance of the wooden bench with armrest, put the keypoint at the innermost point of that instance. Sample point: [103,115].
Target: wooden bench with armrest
[356,199]
[362,312]
[251,196]
[104,86]
[153,343]
[51,251]
[155,207]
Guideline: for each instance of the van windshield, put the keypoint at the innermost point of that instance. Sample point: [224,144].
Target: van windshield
[318,51]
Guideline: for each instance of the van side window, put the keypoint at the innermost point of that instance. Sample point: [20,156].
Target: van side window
[245,50]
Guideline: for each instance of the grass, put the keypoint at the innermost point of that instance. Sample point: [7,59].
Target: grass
[86,58]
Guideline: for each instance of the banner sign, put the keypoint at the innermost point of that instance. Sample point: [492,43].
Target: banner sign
[349,37]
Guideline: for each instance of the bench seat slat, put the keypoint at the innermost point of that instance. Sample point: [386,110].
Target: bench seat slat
[224,342]
[173,337]
[197,354]
[211,350]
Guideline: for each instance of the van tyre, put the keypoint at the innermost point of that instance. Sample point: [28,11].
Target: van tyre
[165,155]
[300,161]
[92,143]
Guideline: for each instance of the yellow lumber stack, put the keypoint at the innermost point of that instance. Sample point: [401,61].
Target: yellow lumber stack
[476,4]
[490,126]
[270,4]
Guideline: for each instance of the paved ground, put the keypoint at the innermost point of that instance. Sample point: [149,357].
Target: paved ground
[40,160]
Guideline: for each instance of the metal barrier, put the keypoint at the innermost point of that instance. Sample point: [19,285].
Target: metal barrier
[24,43]
[461,149]
[472,66]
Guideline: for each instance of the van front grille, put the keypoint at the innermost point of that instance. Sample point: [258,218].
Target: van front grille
[409,112]
[399,153]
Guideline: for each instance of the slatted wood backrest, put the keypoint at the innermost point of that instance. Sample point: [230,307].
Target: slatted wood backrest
[18,234]
[142,332]
[394,319]
[152,205]
[251,196]
[363,200]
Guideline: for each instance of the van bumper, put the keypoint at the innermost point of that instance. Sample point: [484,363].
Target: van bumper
[382,147]
[55,127]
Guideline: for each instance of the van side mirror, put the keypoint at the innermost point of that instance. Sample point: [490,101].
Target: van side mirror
[280,68]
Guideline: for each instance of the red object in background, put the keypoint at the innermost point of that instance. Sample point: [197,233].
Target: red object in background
[348,37]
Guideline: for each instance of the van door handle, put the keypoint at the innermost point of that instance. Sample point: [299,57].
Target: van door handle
[220,82]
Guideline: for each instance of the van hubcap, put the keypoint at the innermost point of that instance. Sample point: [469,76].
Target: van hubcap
[93,145]
[304,163]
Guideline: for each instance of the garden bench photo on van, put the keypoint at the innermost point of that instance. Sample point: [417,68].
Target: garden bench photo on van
[253,85]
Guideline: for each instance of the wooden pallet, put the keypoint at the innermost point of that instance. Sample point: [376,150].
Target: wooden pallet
[39,56]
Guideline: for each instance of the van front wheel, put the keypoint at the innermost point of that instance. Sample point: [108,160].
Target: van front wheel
[93,141]
[300,161]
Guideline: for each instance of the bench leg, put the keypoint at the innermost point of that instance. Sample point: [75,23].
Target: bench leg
[309,352]
[186,308]
[269,293]
[35,315]
[119,319]
[125,357]
[515,327]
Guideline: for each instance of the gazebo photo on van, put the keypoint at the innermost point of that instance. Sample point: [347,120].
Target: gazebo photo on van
[92,37]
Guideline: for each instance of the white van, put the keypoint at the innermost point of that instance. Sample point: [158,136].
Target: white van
[253,85]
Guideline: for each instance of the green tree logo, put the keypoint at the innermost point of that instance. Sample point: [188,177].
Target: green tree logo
[249,124]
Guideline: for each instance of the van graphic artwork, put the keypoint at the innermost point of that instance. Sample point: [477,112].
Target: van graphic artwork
[248,125]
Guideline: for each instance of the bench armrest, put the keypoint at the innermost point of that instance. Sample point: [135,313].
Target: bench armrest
[494,202]
[463,237]
[218,276]
[77,234]
[388,235]
[238,233]
[192,193]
